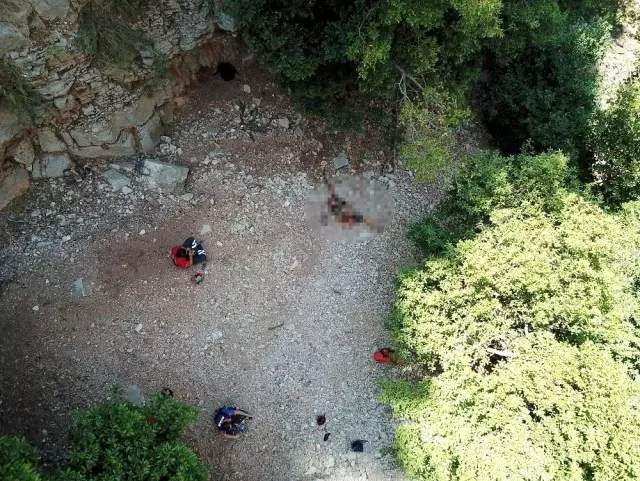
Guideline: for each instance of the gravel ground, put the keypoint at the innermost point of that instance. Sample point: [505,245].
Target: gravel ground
[284,325]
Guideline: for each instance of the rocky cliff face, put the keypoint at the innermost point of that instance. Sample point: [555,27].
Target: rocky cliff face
[92,108]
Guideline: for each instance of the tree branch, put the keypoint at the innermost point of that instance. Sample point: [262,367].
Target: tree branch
[405,74]
[491,350]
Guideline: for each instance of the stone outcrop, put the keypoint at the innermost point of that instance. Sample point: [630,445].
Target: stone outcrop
[95,110]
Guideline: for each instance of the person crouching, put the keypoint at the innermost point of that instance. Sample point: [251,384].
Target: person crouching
[190,253]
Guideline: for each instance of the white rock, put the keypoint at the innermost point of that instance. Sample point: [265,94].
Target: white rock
[138,328]
[36,308]
[246,88]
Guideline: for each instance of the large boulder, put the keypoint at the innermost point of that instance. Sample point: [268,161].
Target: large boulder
[22,153]
[150,133]
[164,176]
[51,165]
[12,39]
[10,126]
[124,146]
[14,182]
[57,88]
[49,142]
[51,9]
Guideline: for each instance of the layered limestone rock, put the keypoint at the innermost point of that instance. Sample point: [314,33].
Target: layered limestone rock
[93,109]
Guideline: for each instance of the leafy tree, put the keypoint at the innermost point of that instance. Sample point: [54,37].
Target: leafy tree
[118,440]
[525,313]
[615,143]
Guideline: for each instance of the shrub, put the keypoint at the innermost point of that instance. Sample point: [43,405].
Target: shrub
[615,143]
[143,443]
[15,92]
[118,440]
[428,123]
[105,33]
[18,460]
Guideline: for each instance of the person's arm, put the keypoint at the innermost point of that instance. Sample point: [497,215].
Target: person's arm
[244,413]
[229,436]
[190,252]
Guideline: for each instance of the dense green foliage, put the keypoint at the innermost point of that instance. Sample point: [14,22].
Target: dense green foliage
[18,460]
[547,94]
[615,143]
[16,94]
[105,32]
[525,312]
[119,440]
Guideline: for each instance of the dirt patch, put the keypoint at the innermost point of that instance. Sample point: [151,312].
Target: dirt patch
[284,324]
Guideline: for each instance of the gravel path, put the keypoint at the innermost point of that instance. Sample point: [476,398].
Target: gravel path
[284,325]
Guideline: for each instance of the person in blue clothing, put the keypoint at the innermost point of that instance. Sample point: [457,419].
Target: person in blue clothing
[229,421]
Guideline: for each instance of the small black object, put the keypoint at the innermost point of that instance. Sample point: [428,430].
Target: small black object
[166,392]
[358,445]
[227,71]
[321,419]
[326,436]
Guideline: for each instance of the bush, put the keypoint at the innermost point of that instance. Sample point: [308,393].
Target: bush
[487,181]
[615,143]
[18,460]
[529,328]
[16,94]
[105,33]
[119,440]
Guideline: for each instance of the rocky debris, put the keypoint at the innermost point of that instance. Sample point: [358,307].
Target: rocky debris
[49,142]
[14,181]
[51,165]
[164,176]
[340,162]
[116,180]
[283,122]
[206,229]
[82,288]
[126,190]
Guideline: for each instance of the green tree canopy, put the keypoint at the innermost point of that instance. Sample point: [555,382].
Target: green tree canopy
[525,312]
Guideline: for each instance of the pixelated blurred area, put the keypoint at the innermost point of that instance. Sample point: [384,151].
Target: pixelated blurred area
[349,208]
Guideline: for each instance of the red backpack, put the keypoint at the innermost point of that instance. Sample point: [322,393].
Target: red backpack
[178,260]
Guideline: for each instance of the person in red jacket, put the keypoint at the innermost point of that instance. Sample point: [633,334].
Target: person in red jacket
[190,253]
